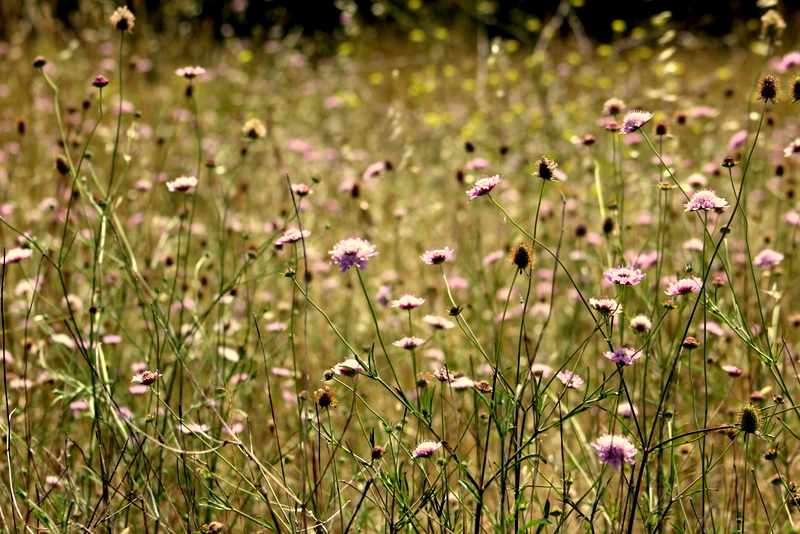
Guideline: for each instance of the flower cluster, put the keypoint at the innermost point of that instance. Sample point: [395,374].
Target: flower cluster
[352,252]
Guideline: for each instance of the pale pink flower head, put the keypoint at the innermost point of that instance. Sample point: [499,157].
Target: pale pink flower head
[788,61]
[292,234]
[190,72]
[684,286]
[605,306]
[570,379]
[791,217]
[623,355]
[706,199]
[352,252]
[181,183]
[409,343]
[146,377]
[614,449]
[793,148]
[408,301]
[483,186]
[641,324]
[16,254]
[440,323]
[732,370]
[425,449]
[349,367]
[737,140]
[437,256]
[477,163]
[624,275]
[541,369]
[635,119]
[462,383]
[768,258]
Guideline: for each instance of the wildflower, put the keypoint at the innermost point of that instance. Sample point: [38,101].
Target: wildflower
[292,234]
[215,527]
[377,452]
[325,398]
[462,383]
[791,217]
[635,119]
[16,254]
[795,90]
[541,369]
[624,275]
[483,386]
[407,302]
[545,168]
[477,163]
[788,61]
[623,355]
[146,377]
[729,161]
[438,322]
[122,19]
[732,370]
[767,258]
[570,379]
[772,25]
[605,306]
[301,190]
[181,183]
[613,106]
[588,140]
[190,72]
[100,81]
[254,129]
[483,186]
[349,367]
[706,199]
[39,62]
[690,343]
[522,256]
[613,449]
[793,148]
[768,88]
[662,128]
[425,449]
[626,410]
[437,256]
[749,418]
[684,286]
[409,343]
[352,252]
[443,375]
[612,126]
[737,140]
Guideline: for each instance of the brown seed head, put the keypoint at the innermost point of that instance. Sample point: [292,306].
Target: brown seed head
[325,397]
[768,88]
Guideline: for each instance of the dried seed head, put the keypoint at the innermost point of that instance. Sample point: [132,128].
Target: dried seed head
[522,256]
[544,168]
[749,418]
[325,397]
[122,19]
[768,88]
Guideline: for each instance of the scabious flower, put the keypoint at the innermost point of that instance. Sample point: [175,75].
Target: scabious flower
[613,106]
[635,119]
[425,449]
[541,369]
[706,199]
[190,72]
[624,275]
[768,258]
[623,355]
[462,383]
[181,183]
[325,398]
[349,367]
[605,306]
[16,254]
[768,88]
[122,19]
[409,343]
[146,377]
[613,449]
[439,323]
[732,370]
[483,186]
[292,234]
[729,161]
[793,148]
[100,81]
[254,129]
[545,168]
[408,302]
[684,286]
[791,217]
[570,379]
[352,252]
[437,256]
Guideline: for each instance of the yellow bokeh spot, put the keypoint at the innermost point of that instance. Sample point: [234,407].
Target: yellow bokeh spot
[578,3]
[416,36]
[604,82]
[429,86]
[604,50]
[574,58]
[506,117]
[638,33]
[468,84]
[441,33]
[447,117]
[448,71]
[622,67]
[376,78]
[413,5]
[723,73]
[549,77]
[413,90]
[674,67]
[432,118]
[753,24]
[512,46]
[245,56]
[512,75]
[518,108]
[430,69]
[494,78]
[533,24]
[345,49]
[618,25]
[645,52]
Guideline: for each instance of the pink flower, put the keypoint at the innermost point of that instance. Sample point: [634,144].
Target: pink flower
[706,199]
[477,163]
[483,186]
[409,343]
[732,370]
[605,306]
[613,449]
[438,322]
[190,72]
[767,258]
[437,256]
[352,252]
[624,275]
[684,286]
[16,254]
[791,217]
[425,449]
[635,119]
[292,235]
[407,302]
[623,355]
[570,379]
[349,367]
[182,183]
[737,140]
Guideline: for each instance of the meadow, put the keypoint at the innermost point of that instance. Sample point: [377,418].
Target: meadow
[426,281]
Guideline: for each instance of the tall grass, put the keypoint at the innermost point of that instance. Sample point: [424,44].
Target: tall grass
[169,367]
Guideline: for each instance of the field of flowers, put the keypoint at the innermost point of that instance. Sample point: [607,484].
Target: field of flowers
[433,282]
